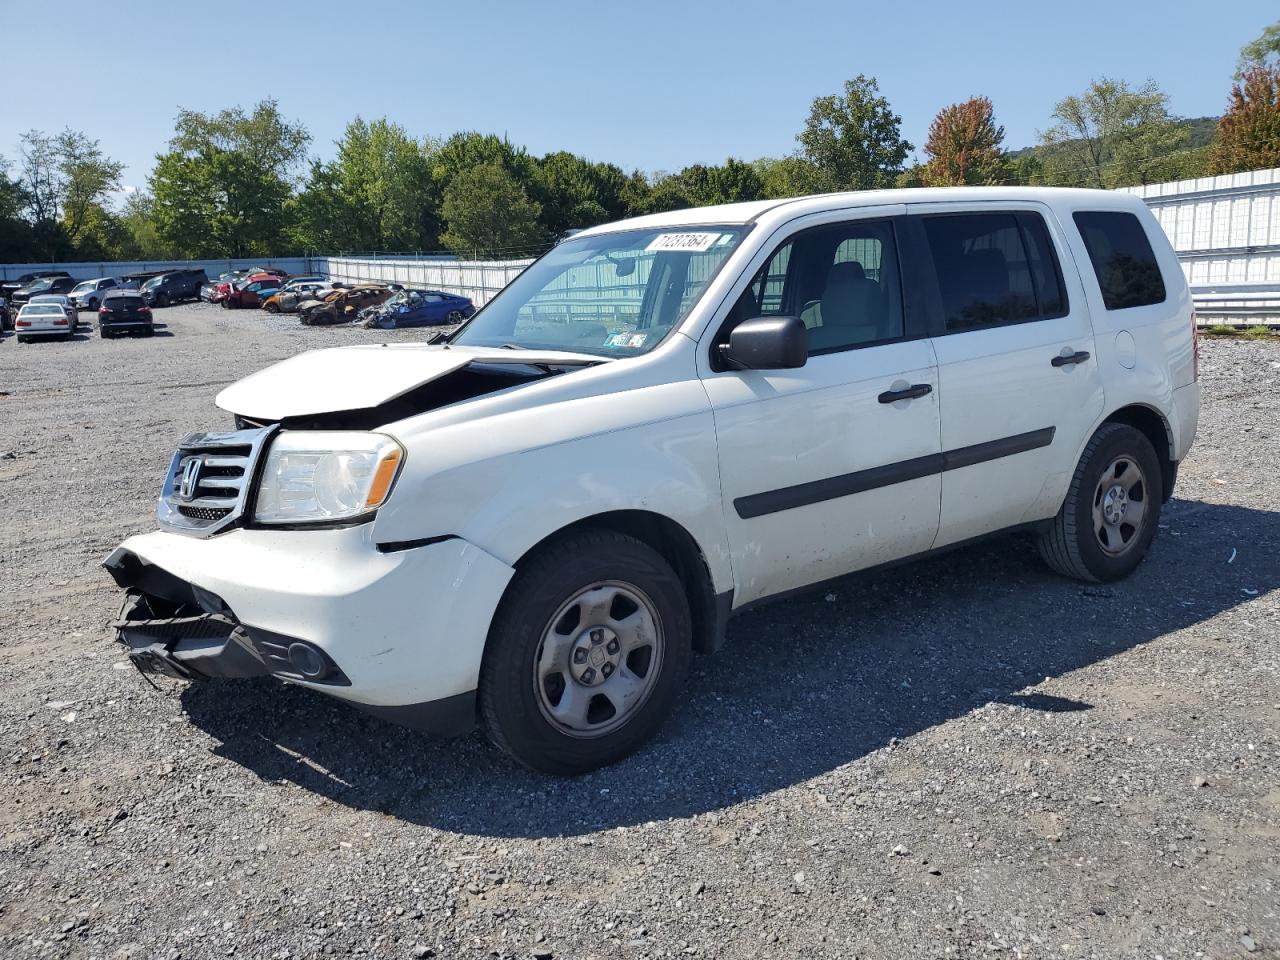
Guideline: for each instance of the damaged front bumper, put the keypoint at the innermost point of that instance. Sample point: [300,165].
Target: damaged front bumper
[397,632]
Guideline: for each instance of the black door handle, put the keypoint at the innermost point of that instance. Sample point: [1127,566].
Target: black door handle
[1080,356]
[906,393]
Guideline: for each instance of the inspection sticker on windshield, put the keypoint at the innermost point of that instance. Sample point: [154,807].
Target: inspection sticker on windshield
[683,242]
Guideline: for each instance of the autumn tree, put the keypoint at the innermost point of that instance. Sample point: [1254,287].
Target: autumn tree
[1249,132]
[964,146]
[854,140]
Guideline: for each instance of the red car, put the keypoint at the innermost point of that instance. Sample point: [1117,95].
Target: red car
[251,291]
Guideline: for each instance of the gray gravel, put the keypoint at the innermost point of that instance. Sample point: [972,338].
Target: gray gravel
[951,759]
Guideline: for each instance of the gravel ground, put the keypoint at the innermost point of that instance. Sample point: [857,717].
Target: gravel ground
[960,757]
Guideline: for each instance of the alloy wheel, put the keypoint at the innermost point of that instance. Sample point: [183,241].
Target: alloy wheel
[1119,506]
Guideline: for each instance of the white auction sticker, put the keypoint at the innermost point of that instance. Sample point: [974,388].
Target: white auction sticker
[683,242]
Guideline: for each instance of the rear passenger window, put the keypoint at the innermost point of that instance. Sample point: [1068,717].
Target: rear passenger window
[1122,259]
[994,269]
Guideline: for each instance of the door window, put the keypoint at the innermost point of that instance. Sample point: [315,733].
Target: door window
[1122,259]
[842,280]
[994,269]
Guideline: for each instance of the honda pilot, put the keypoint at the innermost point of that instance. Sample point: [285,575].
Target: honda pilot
[536,522]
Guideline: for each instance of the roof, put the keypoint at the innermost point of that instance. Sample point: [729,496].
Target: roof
[780,210]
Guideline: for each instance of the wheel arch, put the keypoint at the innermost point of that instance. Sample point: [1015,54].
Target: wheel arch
[1152,424]
[709,610]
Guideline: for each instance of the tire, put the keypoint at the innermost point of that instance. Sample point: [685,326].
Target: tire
[1095,537]
[454,316]
[272,308]
[24,340]
[524,682]
[93,304]
[104,333]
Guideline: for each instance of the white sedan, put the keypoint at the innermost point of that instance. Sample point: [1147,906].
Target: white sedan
[45,320]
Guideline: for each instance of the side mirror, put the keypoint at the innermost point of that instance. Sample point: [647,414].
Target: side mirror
[767,343]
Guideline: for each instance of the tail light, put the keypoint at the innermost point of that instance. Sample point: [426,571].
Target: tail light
[1195,347]
[103,311]
[60,322]
[23,323]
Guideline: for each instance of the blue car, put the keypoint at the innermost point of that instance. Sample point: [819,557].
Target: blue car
[419,308]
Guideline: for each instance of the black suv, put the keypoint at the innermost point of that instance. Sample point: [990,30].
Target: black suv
[173,286]
[8,287]
[47,284]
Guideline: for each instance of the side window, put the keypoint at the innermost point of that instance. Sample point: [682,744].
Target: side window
[994,269]
[841,280]
[1122,259]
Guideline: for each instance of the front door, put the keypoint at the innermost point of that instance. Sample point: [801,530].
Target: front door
[834,466]
[1019,380]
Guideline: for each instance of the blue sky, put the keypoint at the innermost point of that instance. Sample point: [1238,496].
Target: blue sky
[651,84]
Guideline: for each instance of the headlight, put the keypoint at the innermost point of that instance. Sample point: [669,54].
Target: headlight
[321,476]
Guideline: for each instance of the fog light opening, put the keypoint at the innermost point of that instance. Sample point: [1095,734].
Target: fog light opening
[307,661]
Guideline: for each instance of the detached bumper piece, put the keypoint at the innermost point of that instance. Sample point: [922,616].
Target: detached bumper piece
[172,627]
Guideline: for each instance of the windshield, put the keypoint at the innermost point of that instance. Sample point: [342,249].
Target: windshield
[612,295]
[38,285]
[86,286]
[153,282]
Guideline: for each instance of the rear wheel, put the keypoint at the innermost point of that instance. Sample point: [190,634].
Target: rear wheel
[586,654]
[455,316]
[1112,509]
[272,307]
[162,300]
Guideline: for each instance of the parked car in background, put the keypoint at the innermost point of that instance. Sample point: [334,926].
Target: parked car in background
[251,293]
[418,308]
[173,287]
[40,320]
[227,282]
[6,318]
[124,311]
[87,294]
[8,287]
[342,305]
[292,295]
[35,288]
[62,300]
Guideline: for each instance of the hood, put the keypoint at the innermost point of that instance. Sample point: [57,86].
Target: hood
[358,378]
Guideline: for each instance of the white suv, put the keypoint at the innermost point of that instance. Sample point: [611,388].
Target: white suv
[536,522]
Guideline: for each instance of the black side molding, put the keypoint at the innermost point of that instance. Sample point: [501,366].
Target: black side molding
[816,491]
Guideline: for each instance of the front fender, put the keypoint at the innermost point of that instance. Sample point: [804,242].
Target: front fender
[508,502]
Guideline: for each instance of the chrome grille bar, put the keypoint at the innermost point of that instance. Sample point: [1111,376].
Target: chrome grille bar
[207,487]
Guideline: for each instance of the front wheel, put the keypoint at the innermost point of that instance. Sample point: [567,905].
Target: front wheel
[455,316]
[586,654]
[272,307]
[1112,509]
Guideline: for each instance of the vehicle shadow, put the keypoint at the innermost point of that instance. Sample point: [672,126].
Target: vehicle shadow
[802,686]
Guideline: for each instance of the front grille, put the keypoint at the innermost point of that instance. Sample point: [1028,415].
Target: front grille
[207,487]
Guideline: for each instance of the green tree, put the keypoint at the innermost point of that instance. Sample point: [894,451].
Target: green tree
[488,213]
[15,233]
[790,176]
[702,186]
[223,187]
[1249,132]
[87,178]
[372,196]
[1110,136]
[576,193]
[964,146]
[1263,51]
[854,140]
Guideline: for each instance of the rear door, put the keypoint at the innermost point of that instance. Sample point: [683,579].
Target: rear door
[1019,380]
[834,466]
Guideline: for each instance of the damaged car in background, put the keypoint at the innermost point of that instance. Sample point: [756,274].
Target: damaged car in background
[535,522]
[342,305]
[418,308]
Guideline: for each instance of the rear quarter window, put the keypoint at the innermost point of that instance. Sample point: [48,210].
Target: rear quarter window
[1122,259]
